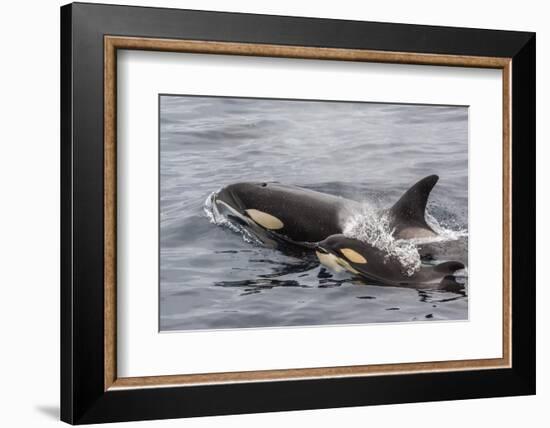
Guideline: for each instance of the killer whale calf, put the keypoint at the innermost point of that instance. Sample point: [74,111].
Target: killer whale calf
[274,211]
[339,253]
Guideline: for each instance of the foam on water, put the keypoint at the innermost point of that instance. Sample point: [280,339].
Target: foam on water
[368,225]
[213,214]
[445,231]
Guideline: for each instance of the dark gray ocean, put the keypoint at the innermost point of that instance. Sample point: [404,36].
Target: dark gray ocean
[212,277]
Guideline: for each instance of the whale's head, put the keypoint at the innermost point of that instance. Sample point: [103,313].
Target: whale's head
[339,253]
[250,202]
[229,197]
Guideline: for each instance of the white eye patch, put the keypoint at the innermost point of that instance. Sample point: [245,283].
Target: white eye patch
[265,220]
[353,256]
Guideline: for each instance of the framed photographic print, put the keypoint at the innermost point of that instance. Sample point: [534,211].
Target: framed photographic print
[265,213]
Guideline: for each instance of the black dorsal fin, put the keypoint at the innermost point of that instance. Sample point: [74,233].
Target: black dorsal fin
[411,207]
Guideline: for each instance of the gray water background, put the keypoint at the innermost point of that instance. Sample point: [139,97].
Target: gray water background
[211,278]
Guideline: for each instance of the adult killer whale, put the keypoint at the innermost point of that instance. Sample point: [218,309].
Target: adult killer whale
[340,253]
[274,211]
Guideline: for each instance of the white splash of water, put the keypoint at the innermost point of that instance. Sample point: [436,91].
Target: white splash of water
[368,225]
[445,232]
[213,215]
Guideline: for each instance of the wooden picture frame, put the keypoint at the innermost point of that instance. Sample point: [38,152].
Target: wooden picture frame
[91,390]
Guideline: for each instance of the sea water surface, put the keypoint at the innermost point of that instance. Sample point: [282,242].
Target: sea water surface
[212,277]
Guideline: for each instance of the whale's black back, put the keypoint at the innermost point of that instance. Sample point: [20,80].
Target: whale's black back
[307,215]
